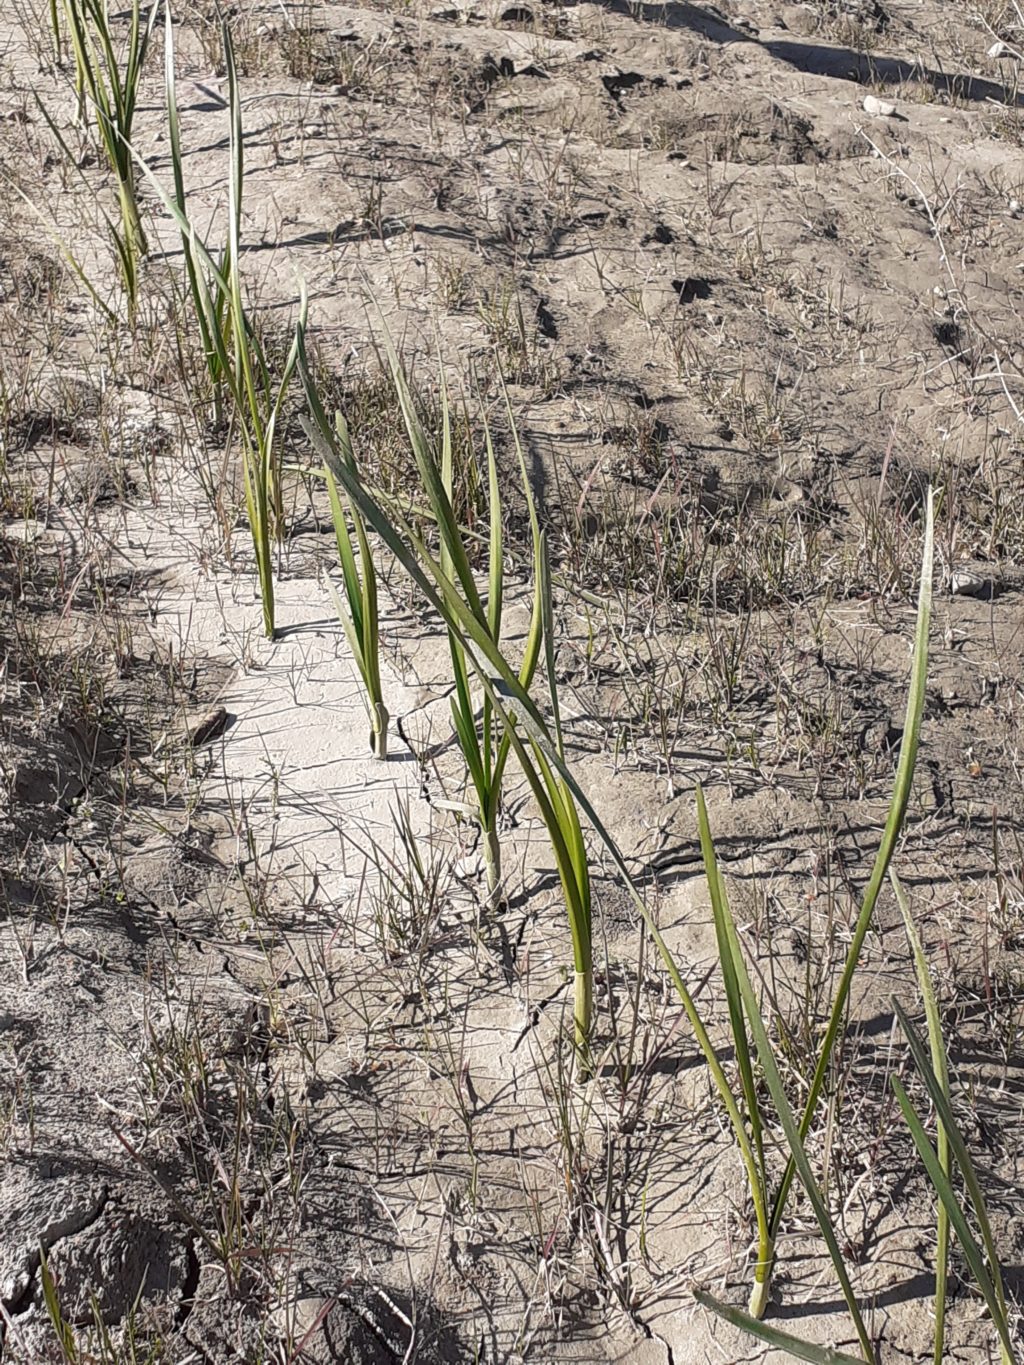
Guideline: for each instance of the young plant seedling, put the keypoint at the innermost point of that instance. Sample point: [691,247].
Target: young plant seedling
[941,1070]
[948,1155]
[744,1011]
[484,744]
[209,296]
[474,627]
[236,359]
[107,82]
[894,823]
[358,614]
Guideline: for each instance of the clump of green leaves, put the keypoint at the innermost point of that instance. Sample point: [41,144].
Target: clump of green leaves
[485,729]
[947,1157]
[237,363]
[107,82]
[746,1021]
[359,613]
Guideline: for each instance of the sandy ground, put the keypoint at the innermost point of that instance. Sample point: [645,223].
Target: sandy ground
[275,1085]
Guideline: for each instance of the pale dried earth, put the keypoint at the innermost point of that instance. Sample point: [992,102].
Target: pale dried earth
[264,1097]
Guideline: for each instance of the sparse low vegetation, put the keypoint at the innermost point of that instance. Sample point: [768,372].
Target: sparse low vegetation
[576,910]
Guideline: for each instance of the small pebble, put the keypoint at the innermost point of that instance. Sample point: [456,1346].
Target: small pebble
[800,18]
[964,583]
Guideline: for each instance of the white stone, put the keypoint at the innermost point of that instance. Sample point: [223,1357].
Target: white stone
[964,583]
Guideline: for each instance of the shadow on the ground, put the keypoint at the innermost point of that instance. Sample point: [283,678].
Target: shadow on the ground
[817,59]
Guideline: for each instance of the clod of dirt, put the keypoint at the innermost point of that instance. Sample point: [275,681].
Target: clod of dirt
[52,769]
[800,19]
[363,1325]
[224,1329]
[122,1255]
[867,13]
[618,82]
[47,776]
[693,287]
[371,1327]
[36,1210]
[660,235]
[546,324]
[965,583]
[209,726]
[757,134]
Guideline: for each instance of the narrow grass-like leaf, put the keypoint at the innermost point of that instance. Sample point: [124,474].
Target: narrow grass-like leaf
[62,1328]
[721,914]
[990,1282]
[359,614]
[209,310]
[108,82]
[972,1251]
[766,1056]
[485,752]
[573,865]
[440,504]
[237,357]
[893,825]
[938,1059]
[774,1336]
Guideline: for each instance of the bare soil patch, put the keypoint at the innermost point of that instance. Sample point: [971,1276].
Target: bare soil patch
[276,1082]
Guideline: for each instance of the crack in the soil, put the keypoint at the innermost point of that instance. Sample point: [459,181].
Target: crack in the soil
[69,1226]
[651,1335]
[190,1287]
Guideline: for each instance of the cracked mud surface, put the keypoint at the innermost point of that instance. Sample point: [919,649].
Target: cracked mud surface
[258,1100]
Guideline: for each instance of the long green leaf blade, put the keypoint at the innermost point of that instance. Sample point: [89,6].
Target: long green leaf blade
[972,1251]
[894,823]
[774,1336]
[958,1146]
[794,1137]
[938,1057]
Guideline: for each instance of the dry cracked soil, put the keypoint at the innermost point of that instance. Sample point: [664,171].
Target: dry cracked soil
[276,1083]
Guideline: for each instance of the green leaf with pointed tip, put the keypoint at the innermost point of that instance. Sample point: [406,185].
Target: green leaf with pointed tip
[774,1336]
[893,824]
[938,1056]
[944,1189]
[361,621]
[965,1165]
[794,1138]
